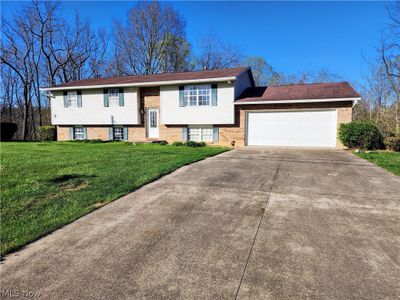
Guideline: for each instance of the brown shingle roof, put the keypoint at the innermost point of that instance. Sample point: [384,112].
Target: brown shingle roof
[299,92]
[155,77]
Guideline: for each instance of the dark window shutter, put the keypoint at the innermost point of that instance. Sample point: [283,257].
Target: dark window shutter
[185,134]
[65,93]
[215,134]
[79,98]
[214,100]
[121,97]
[84,133]
[105,94]
[71,133]
[111,133]
[125,133]
[181,96]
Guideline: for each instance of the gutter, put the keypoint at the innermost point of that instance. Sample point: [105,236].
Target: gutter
[354,100]
[140,84]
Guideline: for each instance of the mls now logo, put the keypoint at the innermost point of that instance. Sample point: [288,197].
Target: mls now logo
[10,293]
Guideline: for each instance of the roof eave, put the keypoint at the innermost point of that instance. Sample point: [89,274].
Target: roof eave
[141,84]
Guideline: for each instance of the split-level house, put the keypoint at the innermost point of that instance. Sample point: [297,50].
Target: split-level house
[222,107]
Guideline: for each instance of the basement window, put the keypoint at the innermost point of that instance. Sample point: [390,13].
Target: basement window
[78,133]
[118,133]
[201,134]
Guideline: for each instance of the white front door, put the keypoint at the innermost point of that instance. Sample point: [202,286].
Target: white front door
[152,123]
[292,128]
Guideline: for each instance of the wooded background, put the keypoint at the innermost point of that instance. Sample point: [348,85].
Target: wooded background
[41,48]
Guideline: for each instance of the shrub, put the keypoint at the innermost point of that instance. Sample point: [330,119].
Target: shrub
[392,143]
[194,144]
[361,135]
[162,142]
[96,141]
[46,133]
[7,131]
[177,144]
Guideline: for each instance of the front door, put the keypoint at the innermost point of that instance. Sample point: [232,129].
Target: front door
[152,123]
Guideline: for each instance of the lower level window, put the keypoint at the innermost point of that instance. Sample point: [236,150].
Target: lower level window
[78,133]
[118,133]
[201,134]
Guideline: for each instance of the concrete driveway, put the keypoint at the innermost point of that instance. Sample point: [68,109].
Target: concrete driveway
[250,223]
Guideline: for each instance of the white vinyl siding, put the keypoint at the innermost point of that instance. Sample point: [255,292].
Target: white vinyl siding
[93,111]
[172,113]
[201,134]
[292,128]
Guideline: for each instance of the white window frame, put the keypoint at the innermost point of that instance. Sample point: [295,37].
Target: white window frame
[79,133]
[197,95]
[201,133]
[113,97]
[118,136]
[72,98]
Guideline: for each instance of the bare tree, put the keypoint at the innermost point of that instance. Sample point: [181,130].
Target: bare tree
[264,73]
[40,49]
[17,52]
[390,54]
[212,54]
[152,41]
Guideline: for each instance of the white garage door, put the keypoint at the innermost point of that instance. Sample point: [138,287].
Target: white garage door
[294,128]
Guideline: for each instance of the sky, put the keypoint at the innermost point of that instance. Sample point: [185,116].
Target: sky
[292,36]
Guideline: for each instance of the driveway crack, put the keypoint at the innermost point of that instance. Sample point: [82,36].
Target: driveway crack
[259,225]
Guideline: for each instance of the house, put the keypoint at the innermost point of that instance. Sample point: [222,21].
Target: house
[221,107]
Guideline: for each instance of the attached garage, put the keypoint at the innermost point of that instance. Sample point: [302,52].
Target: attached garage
[298,115]
[313,128]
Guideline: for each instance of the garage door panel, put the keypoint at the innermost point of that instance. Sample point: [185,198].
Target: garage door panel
[296,128]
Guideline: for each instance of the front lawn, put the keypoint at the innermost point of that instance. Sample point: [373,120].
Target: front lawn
[387,160]
[47,185]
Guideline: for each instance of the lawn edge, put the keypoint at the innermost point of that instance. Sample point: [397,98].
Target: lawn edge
[374,164]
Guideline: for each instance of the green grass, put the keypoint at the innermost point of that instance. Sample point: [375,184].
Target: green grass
[47,185]
[387,160]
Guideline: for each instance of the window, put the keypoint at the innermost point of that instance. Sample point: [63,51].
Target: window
[113,97]
[201,134]
[72,98]
[153,119]
[78,133]
[197,95]
[118,133]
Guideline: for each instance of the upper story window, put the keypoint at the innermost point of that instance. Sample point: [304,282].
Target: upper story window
[113,96]
[72,97]
[197,95]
